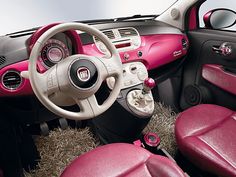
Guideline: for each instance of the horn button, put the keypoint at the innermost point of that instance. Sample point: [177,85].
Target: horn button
[83,74]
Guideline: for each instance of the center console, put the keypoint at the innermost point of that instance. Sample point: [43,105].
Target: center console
[130,114]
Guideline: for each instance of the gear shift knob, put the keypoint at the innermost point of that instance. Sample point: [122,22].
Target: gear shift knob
[148,85]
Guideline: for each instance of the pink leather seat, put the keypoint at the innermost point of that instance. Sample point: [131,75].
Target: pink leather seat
[122,160]
[206,135]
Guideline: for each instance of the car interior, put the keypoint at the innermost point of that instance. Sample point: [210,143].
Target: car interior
[143,95]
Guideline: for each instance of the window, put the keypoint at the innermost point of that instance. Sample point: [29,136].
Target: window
[20,15]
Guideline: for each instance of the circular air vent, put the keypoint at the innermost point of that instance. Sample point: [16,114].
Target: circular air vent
[11,80]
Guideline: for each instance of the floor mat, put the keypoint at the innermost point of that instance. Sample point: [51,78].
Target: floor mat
[162,123]
[59,148]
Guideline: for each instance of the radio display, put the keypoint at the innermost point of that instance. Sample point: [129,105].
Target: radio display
[118,46]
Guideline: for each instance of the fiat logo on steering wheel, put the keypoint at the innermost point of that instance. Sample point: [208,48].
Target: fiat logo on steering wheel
[83,74]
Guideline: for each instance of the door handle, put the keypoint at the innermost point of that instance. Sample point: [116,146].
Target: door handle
[216,49]
[224,49]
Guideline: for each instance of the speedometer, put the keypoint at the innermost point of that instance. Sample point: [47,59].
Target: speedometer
[53,52]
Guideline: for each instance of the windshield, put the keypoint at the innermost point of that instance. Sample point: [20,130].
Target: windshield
[26,14]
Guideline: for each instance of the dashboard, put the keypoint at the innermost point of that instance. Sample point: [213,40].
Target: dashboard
[142,46]
[134,73]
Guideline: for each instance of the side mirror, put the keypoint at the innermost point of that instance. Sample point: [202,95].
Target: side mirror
[219,18]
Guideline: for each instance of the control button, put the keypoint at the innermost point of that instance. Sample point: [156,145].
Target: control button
[140,53]
[133,69]
[128,83]
[126,56]
[124,72]
[110,68]
[142,75]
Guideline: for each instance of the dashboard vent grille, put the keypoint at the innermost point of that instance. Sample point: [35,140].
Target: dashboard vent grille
[11,80]
[125,32]
[108,33]
[2,60]
[184,44]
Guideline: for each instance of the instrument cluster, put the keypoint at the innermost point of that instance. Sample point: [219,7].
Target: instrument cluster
[53,52]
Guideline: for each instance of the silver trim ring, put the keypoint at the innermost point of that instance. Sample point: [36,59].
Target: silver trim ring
[12,89]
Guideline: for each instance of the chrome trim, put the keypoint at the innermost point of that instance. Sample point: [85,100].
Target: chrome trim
[11,89]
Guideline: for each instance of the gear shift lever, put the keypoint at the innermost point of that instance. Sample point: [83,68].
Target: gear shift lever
[148,85]
[141,101]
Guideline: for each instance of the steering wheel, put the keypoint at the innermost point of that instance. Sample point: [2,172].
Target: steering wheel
[78,76]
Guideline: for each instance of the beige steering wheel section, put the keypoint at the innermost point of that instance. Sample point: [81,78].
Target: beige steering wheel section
[77,77]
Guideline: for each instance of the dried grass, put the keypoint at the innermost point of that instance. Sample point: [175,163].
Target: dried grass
[62,146]
[162,123]
[59,148]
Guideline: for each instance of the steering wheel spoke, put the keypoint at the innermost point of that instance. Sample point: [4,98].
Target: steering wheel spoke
[88,106]
[48,81]
[113,67]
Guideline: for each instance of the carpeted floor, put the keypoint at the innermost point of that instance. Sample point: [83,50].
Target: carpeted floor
[61,146]
[162,123]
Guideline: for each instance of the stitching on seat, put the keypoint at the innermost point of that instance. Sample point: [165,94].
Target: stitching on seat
[134,168]
[208,129]
[232,165]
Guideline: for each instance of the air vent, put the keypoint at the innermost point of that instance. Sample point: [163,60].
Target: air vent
[126,32]
[11,80]
[2,60]
[108,33]
[184,44]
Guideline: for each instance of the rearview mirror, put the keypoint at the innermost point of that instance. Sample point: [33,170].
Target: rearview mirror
[219,18]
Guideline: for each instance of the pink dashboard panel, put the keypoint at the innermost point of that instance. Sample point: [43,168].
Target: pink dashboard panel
[216,75]
[157,50]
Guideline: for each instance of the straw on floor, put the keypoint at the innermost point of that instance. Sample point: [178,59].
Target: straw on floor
[61,146]
[162,123]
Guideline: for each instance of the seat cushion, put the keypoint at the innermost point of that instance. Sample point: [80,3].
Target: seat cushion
[122,160]
[206,135]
